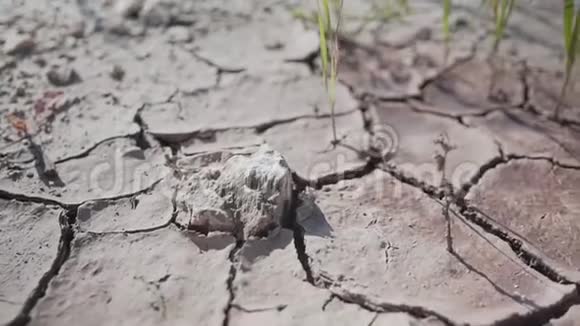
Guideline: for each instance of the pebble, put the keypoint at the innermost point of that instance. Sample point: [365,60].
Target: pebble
[62,76]
[15,43]
[179,34]
[156,13]
[125,28]
[128,8]
[77,29]
[117,73]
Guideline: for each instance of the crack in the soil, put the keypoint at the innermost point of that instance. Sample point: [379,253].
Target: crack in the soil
[385,307]
[542,316]
[331,297]
[472,53]
[475,216]
[86,152]
[348,174]
[262,127]
[460,118]
[230,281]
[174,140]
[298,231]
[505,159]
[220,70]
[254,310]
[66,221]
[67,206]
[374,319]
[309,60]
[34,199]
[430,190]
[456,118]
[528,106]
[139,138]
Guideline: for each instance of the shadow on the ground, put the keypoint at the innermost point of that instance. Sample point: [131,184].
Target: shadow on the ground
[45,168]
[312,219]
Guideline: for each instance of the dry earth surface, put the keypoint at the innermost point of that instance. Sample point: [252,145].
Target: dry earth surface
[178,168]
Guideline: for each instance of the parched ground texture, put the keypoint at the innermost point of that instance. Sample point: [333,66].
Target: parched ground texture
[178,168]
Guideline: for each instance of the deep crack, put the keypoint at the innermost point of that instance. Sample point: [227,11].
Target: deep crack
[66,222]
[384,307]
[233,258]
[477,217]
[298,232]
[34,199]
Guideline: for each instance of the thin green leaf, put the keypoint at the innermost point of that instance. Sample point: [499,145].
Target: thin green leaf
[574,40]
[568,22]
[573,47]
[502,14]
[327,23]
[446,15]
[329,52]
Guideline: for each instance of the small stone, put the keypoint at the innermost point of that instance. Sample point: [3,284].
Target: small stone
[124,28]
[128,8]
[117,73]
[156,13]
[178,34]
[77,30]
[18,44]
[274,46]
[30,174]
[62,76]
[424,34]
[20,91]
[41,62]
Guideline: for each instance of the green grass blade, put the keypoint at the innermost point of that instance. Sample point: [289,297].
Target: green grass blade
[327,23]
[568,22]
[502,14]
[446,16]
[329,52]
[322,32]
[572,41]
[334,66]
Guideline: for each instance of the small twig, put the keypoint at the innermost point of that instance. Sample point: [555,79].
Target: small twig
[441,160]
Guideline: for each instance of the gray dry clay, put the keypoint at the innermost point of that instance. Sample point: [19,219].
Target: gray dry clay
[245,195]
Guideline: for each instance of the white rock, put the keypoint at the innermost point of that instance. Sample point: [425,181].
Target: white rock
[16,43]
[247,196]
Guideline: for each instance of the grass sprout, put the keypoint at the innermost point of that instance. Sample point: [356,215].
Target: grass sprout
[329,18]
[501,10]
[446,25]
[571,47]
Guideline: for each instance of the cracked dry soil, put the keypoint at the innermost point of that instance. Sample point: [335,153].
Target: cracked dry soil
[177,168]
